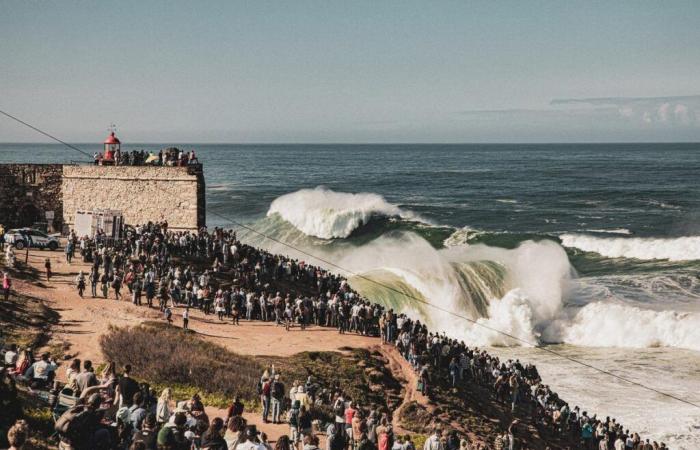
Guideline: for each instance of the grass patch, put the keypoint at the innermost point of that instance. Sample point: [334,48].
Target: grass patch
[170,357]
[25,321]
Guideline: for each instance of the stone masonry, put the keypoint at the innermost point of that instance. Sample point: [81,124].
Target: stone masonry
[141,193]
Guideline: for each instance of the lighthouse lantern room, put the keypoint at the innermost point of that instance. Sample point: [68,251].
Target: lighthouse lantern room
[112,149]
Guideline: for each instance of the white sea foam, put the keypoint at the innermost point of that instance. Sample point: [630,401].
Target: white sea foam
[461,236]
[674,249]
[607,324]
[327,214]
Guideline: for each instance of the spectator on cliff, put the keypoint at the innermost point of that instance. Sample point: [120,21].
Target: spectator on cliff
[434,442]
[87,377]
[70,246]
[104,283]
[277,397]
[117,285]
[47,266]
[6,285]
[43,372]
[80,283]
[17,435]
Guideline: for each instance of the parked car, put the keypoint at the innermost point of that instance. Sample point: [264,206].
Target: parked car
[29,237]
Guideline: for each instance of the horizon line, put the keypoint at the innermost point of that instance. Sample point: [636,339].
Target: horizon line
[366,143]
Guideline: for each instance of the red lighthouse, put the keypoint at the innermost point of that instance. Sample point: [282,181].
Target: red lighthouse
[112,149]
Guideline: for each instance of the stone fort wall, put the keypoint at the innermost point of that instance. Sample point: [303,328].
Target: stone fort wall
[30,193]
[141,193]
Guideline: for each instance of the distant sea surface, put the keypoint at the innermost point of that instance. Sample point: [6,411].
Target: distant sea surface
[593,250]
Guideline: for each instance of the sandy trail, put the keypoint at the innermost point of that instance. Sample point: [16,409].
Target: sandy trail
[83,321]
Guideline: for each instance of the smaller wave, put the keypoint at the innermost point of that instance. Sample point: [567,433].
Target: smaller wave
[672,249]
[660,204]
[612,231]
[506,200]
[327,214]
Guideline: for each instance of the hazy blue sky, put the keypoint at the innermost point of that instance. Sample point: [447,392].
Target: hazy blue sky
[352,71]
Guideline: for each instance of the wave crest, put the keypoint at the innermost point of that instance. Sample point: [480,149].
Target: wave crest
[673,249]
[327,214]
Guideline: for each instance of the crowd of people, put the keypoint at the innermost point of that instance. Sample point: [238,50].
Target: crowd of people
[215,273]
[171,156]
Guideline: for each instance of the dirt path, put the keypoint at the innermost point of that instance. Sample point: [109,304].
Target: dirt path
[402,371]
[83,321]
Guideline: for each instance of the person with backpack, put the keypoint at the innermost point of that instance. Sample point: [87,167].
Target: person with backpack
[148,434]
[172,436]
[293,419]
[277,397]
[79,427]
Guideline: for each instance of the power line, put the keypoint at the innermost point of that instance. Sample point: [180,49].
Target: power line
[391,288]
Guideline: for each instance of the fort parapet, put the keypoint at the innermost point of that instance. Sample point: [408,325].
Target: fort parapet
[53,193]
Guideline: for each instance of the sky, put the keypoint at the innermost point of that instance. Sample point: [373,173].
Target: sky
[351,71]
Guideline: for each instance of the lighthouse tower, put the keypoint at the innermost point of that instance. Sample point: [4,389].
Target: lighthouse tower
[112,149]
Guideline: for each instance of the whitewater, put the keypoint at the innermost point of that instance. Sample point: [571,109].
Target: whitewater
[685,248]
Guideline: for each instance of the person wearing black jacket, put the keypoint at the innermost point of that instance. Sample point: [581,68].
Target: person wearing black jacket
[277,394]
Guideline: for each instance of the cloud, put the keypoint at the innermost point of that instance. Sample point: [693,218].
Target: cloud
[671,111]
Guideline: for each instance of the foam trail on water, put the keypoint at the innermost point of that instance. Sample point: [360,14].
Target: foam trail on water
[673,249]
[327,214]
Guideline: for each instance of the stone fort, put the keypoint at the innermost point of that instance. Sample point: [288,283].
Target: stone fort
[52,193]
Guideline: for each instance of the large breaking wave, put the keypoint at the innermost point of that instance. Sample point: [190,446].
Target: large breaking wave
[530,292]
[327,214]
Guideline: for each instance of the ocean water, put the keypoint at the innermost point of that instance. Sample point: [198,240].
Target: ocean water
[593,250]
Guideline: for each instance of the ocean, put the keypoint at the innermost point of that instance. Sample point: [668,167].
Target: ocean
[591,250]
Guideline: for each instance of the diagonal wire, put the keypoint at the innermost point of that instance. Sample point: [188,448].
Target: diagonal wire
[352,273]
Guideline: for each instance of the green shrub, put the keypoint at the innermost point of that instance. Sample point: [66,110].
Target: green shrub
[170,357]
